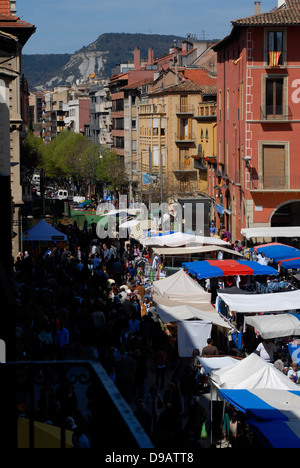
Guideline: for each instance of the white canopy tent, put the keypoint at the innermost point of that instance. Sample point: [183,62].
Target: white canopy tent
[181,287]
[215,363]
[180,251]
[271,232]
[186,312]
[249,373]
[164,301]
[178,239]
[275,326]
[257,303]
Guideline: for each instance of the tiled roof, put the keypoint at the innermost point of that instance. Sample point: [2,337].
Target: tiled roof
[287,14]
[198,76]
[5,7]
[138,83]
[188,86]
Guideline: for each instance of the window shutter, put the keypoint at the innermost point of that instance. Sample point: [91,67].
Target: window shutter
[274,167]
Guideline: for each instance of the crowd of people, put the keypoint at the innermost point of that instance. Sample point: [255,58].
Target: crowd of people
[92,298]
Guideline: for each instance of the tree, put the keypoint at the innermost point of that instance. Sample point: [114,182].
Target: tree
[31,151]
[111,171]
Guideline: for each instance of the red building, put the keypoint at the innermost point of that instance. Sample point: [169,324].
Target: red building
[255,180]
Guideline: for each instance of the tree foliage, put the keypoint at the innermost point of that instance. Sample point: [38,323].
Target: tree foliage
[31,151]
[71,155]
[111,171]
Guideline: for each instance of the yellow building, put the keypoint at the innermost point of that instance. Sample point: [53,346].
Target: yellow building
[169,136]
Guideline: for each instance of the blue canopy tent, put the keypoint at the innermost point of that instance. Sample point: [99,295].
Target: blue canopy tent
[44,232]
[277,251]
[217,268]
[273,414]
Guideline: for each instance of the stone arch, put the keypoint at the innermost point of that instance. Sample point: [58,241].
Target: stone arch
[286,214]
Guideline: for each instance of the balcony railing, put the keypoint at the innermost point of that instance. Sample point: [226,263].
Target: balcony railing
[152,109]
[188,137]
[34,387]
[275,183]
[185,109]
[207,112]
[276,113]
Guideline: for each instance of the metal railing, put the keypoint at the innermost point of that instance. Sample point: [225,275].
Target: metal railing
[30,387]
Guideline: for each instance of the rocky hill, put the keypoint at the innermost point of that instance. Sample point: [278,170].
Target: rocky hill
[110,49]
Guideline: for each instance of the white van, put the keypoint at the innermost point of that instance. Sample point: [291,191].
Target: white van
[62,194]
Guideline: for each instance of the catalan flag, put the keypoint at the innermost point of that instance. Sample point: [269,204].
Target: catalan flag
[274,58]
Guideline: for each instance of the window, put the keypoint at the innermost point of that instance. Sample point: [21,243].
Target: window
[275,48]
[274,97]
[273,167]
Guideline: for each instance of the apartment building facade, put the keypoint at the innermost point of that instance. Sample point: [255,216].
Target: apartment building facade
[256,178]
[174,133]
[14,34]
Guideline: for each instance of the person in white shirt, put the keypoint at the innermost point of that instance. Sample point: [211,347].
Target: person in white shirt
[266,350]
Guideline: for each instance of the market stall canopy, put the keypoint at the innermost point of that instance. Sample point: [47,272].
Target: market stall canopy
[215,363]
[173,251]
[186,312]
[161,300]
[277,251]
[217,268]
[271,232]
[44,232]
[253,372]
[275,326]
[257,303]
[181,287]
[280,435]
[177,239]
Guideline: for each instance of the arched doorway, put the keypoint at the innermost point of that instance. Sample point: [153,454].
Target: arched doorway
[287,214]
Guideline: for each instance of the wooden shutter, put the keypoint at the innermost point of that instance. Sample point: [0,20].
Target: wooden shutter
[273,167]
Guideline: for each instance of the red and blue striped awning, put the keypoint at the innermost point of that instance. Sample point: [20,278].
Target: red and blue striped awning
[218,268]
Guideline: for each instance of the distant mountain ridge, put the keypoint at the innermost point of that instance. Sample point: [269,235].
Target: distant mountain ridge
[50,70]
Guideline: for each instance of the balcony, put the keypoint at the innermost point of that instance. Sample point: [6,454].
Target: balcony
[35,384]
[207,113]
[276,114]
[184,167]
[152,109]
[185,109]
[199,163]
[275,184]
[185,138]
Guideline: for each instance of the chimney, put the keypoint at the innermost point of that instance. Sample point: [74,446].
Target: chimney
[257,8]
[150,56]
[137,58]
[13,9]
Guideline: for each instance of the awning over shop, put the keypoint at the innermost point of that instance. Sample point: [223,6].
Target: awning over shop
[258,303]
[218,268]
[275,326]
[271,232]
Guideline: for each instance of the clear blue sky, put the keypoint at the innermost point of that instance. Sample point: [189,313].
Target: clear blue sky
[65,26]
